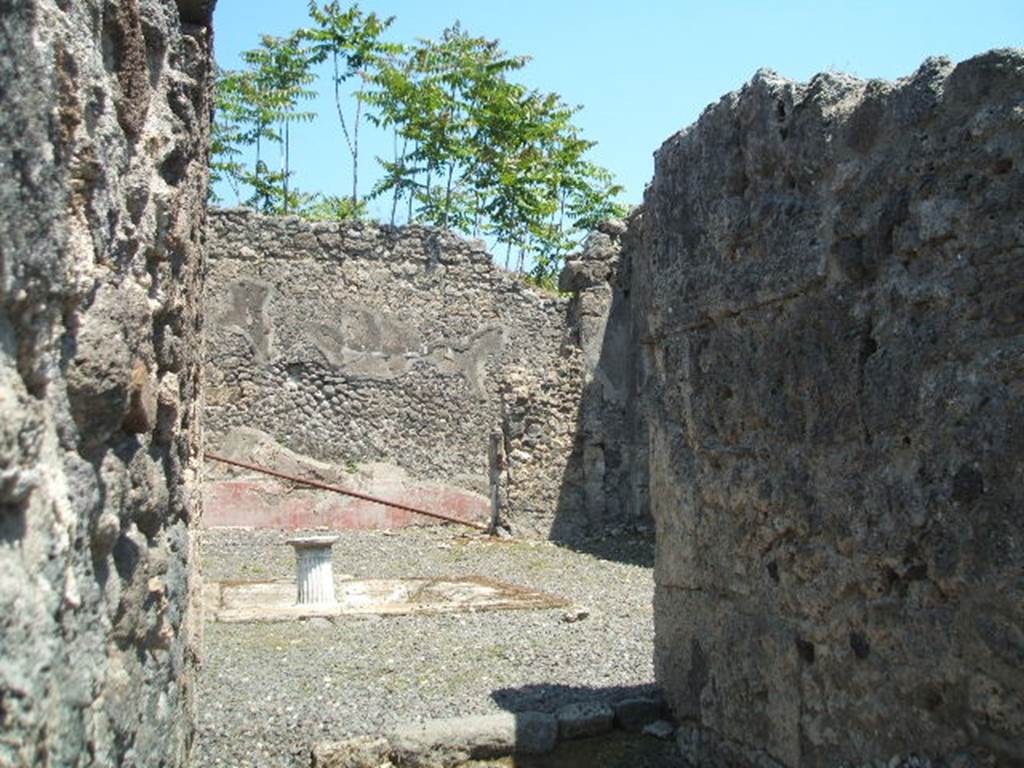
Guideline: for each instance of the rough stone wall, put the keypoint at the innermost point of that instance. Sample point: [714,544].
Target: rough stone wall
[360,345]
[605,480]
[832,326]
[102,203]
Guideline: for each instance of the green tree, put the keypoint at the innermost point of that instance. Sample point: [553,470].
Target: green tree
[275,83]
[482,152]
[228,134]
[352,41]
[330,208]
[473,150]
[393,93]
[434,97]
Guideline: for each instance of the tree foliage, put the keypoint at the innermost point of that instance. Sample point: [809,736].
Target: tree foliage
[352,41]
[255,108]
[472,149]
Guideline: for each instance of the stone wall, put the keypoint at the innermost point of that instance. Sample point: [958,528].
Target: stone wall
[832,330]
[606,477]
[102,205]
[384,359]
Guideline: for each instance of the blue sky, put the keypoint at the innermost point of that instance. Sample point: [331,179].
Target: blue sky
[643,69]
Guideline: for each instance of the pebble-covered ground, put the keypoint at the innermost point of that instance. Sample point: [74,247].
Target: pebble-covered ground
[269,691]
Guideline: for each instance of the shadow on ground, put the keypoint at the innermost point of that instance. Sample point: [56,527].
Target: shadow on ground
[621,546]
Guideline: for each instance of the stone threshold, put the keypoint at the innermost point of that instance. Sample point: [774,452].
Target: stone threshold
[462,741]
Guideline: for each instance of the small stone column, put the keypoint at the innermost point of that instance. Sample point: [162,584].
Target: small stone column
[315,577]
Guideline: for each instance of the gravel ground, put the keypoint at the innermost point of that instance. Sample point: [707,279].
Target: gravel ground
[269,691]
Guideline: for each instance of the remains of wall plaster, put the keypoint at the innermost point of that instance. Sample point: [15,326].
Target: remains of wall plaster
[386,351]
[102,204]
[832,326]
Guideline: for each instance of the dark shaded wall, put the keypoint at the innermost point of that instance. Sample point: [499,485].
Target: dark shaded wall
[829,299]
[103,145]
[604,485]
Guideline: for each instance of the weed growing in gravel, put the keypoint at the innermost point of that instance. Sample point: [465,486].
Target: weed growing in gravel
[255,569]
[495,651]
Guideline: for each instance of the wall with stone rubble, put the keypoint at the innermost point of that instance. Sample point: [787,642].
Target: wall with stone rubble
[832,331]
[102,205]
[387,357]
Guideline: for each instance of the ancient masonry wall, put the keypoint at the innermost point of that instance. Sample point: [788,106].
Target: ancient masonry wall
[384,359]
[832,326]
[102,205]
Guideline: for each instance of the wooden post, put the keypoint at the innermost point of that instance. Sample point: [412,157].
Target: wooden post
[496,462]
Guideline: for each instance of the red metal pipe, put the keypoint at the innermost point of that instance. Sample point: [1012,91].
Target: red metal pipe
[343,491]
